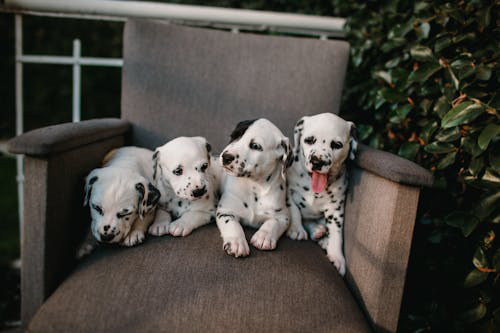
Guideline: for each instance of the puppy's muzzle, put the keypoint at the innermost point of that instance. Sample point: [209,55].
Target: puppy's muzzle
[107,235]
[227,158]
[199,192]
[317,163]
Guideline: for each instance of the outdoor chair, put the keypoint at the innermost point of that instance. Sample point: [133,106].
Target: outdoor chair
[180,80]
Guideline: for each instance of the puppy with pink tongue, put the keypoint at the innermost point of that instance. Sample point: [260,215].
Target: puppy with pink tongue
[317,182]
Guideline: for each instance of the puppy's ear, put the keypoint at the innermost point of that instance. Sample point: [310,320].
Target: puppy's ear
[141,199]
[297,134]
[288,156]
[240,129]
[89,182]
[153,196]
[156,156]
[353,141]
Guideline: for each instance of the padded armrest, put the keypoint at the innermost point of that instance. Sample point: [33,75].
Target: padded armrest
[62,137]
[392,167]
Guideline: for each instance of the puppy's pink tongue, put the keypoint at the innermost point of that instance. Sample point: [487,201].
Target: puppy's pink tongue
[318,182]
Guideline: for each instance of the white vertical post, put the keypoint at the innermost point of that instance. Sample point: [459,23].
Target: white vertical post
[76,79]
[19,118]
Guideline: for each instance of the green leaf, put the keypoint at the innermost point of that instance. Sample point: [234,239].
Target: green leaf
[476,166]
[364,131]
[428,130]
[422,31]
[483,73]
[474,314]
[392,95]
[494,158]
[442,43]
[441,107]
[464,68]
[462,220]
[383,75]
[439,147]
[448,134]
[479,259]
[409,150]
[474,278]
[461,114]
[421,53]
[399,114]
[424,72]
[487,205]
[488,133]
[447,161]
[456,83]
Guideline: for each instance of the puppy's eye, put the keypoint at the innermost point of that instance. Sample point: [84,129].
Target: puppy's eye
[178,171]
[336,145]
[255,146]
[204,167]
[310,140]
[98,209]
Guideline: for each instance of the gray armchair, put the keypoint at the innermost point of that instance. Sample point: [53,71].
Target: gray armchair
[190,81]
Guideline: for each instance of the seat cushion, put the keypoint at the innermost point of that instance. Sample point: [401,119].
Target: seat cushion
[189,284]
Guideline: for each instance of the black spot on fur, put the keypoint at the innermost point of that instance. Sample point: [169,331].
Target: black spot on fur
[241,128]
[300,122]
[302,205]
[269,178]
[153,195]
[281,187]
[330,217]
[179,203]
[93,180]
[306,188]
[245,204]
[278,210]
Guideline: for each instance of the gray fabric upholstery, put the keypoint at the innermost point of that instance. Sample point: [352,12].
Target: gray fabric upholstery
[62,137]
[392,167]
[380,216]
[190,81]
[190,285]
[54,218]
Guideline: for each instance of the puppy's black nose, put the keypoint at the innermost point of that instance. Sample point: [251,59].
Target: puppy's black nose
[106,227]
[227,158]
[199,192]
[317,162]
[107,238]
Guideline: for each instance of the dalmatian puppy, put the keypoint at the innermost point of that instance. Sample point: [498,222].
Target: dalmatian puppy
[254,190]
[188,178]
[317,181]
[121,197]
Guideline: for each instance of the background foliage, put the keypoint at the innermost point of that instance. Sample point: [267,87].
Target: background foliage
[422,82]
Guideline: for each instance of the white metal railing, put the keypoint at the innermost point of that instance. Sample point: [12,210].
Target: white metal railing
[231,19]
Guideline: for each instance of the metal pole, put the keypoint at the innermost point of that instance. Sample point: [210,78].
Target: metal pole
[19,119]
[76,79]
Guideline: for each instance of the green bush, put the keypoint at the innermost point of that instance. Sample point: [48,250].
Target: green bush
[423,83]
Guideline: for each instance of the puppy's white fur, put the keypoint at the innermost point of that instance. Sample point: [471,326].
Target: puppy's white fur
[254,191]
[121,197]
[188,178]
[325,139]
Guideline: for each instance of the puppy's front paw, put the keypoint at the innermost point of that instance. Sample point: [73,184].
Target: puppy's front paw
[236,246]
[159,228]
[263,240]
[134,237]
[297,233]
[180,228]
[338,260]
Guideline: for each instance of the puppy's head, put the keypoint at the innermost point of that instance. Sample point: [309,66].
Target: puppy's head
[257,147]
[322,142]
[116,198]
[183,163]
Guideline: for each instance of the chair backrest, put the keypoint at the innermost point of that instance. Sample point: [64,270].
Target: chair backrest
[184,81]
